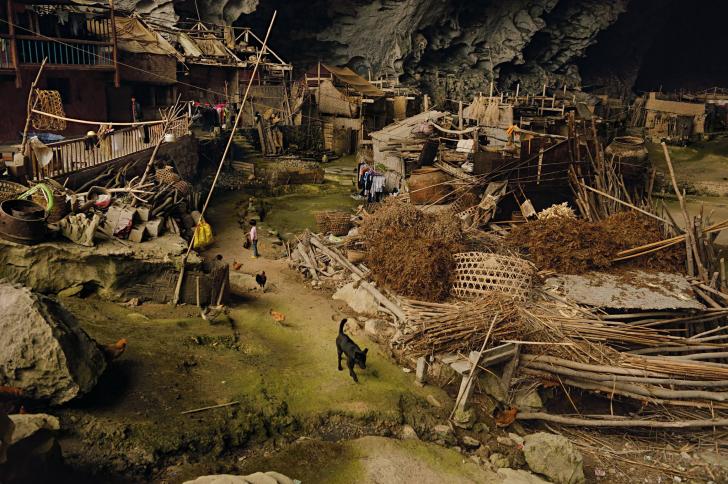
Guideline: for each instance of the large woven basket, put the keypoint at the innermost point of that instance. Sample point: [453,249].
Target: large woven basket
[333,222]
[10,190]
[477,273]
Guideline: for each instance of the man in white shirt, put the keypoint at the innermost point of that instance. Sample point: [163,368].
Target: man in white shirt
[253,236]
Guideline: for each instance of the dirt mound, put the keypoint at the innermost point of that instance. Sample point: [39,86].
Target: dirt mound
[411,251]
[573,246]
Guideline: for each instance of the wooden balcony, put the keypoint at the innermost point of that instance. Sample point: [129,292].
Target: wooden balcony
[72,155]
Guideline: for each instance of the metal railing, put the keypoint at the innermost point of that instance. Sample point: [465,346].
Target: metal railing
[74,155]
[6,60]
[71,52]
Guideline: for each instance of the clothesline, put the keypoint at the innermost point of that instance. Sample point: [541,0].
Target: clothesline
[95,123]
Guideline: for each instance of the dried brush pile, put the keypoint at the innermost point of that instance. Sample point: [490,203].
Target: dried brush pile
[574,246]
[410,251]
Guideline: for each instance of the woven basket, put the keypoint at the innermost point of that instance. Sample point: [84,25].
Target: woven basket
[10,190]
[335,223]
[477,273]
[166,176]
[61,206]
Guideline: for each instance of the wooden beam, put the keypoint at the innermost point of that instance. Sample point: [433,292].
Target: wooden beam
[117,78]
[13,44]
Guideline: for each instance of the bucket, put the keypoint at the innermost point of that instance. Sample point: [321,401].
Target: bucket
[170,138]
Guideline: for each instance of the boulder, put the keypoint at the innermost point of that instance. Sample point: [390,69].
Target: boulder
[358,299]
[554,457]
[257,478]
[25,425]
[43,350]
[33,453]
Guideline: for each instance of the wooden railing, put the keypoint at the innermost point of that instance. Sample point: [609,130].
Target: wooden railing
[73,155]
[68,52]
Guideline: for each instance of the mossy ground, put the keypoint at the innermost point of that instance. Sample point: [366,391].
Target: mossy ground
[284,375]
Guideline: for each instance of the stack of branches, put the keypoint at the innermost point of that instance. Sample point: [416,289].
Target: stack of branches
[410,251]
[458,327]
[569,346]
[320,260]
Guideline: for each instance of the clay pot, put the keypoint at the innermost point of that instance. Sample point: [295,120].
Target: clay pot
[630,156]
[429,185]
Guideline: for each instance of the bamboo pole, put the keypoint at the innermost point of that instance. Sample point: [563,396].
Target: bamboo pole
[607,422]
[224,156]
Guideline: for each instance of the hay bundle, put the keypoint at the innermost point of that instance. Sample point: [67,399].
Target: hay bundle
[574,246]
[411,251]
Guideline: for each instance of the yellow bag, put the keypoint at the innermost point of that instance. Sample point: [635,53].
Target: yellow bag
[203,235]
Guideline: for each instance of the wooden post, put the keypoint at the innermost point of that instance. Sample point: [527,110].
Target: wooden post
[518,90]
[426,101]
[13,44]
[117,77]
[460,118]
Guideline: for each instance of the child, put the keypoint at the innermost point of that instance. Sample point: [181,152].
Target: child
[253,237]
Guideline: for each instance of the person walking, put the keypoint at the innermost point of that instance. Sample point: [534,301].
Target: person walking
[253,237]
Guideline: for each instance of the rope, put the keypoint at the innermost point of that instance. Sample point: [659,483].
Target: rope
[94,123]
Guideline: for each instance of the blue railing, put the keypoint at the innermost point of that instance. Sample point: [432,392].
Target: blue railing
[63,51]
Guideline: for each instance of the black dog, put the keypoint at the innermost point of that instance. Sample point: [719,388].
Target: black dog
[354,354]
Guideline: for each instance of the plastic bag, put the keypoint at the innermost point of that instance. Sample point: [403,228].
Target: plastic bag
[203,235]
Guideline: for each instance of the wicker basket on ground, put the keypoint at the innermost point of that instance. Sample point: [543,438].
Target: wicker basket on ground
[333,222]
[10,190]
[61,206]
[478,273]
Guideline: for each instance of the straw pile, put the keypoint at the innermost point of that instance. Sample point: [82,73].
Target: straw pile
[410,251]
[574,246]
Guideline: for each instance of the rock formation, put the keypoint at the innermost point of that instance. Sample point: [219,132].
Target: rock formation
[43,350]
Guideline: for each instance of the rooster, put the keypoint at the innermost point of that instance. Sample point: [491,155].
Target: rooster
[278,317]
[261,279]
[237,265]
[113,351]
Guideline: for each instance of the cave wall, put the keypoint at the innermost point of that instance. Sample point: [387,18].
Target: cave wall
[455,47]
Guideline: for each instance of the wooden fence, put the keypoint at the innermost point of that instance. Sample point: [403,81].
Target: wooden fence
[74,155]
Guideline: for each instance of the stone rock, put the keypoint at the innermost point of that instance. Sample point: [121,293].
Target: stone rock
[513,476]
[375,327]
[408,433]
[527,399]
[712,458]
[516,438]
[465,419]
[257,478]
[506,441]
[499,460]
[43,350]
[433,401]
[243,282]
[481,428]
[25,425]
[470,443]
[71,291]
[554,457]
[493,386]
[358,299]
[444,435]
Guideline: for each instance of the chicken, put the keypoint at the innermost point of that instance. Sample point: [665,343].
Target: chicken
[261,279]
[114,351]
[237,265]
[278,317]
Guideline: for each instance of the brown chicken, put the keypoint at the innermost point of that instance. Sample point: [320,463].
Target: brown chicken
[237,265]
[114,351]
[278,317]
